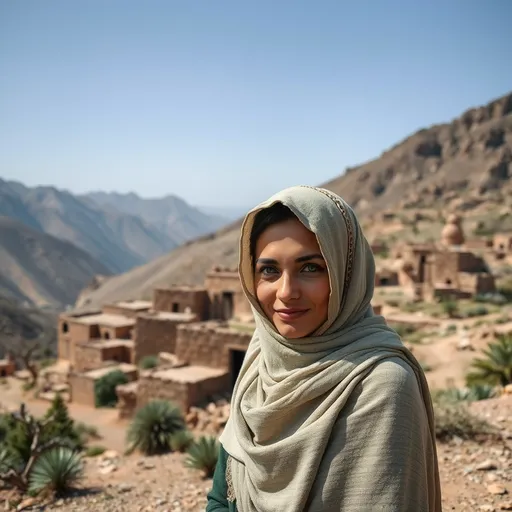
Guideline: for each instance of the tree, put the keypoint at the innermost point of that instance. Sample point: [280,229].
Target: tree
[62,425]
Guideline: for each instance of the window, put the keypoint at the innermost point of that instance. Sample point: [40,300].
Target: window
[65,327]
[175,307]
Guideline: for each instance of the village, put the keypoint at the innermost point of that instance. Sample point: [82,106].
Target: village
[186,346]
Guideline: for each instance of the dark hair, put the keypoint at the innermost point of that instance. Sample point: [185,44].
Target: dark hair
[275,214]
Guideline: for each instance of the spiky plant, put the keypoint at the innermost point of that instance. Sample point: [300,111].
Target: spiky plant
[181,441]
[153,426]
[496,367]
[203,455]
[56,470]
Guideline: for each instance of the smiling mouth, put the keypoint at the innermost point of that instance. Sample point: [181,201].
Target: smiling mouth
[290,314]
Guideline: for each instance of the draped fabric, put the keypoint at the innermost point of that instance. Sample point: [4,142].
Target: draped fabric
[341,419]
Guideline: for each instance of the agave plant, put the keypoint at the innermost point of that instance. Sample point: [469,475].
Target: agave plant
[153,426]
[203,455]
[181,441]
[56,470]
[496,367]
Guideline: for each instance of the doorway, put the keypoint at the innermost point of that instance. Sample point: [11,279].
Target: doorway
[236,358]
[227,305]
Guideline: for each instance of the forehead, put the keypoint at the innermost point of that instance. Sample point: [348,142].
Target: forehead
[286,237]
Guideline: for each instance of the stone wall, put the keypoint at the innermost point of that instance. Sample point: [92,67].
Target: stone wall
[89,356]
[179,299]
[227,299]
[70,332]
[81,389]
[185,394]
[154,334]
[208,344]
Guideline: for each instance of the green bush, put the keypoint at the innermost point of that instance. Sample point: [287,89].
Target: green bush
[203,455]
[57,470]
[153,427]
[476,311]
[105,388]
[148,362]
[450,308]
[496,367]
[181,441]
[94,450]
[62,426]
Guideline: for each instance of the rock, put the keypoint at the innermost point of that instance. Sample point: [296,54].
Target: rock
[125,487]
[486,465]
[496,489]
[106,470]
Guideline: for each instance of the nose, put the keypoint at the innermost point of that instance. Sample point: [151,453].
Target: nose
[288,288]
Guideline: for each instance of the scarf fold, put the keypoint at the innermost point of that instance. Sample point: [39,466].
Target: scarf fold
[286,432]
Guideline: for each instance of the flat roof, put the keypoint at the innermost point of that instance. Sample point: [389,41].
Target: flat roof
[101,343]
[188,374]
[135,305]
[100,372]
[105,319]
[165,315]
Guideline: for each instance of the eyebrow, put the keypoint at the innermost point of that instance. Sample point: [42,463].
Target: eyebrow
[301,259]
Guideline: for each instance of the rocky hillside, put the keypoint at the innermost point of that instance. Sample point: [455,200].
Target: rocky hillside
[464,165]
[40,269]
[170,214]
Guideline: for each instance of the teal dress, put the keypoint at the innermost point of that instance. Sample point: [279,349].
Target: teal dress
[218,496]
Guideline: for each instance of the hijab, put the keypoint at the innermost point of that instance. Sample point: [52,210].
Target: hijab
[291,393]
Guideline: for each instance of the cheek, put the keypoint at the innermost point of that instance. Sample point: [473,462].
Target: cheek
[320,293]
[264,293]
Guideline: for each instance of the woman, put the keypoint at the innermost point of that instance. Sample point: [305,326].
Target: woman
[330,412]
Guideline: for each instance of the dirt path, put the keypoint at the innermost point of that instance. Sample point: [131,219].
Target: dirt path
[112,430]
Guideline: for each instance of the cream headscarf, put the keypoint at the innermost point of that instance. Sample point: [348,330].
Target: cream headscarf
[339,420]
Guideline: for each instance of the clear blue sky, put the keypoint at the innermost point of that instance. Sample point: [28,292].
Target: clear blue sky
[225,102]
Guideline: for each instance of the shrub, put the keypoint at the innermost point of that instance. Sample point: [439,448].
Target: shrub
[87,432]
[94,451]
[62,426]
[496,367]
[105,388]
[469,394]
[453,418]
[203,455]
[476,311]
[181,441]
[148,362]
[153,426]
[56,470]
[450,308]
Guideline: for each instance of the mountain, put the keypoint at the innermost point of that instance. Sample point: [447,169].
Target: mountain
[42,270]
[170,214]
[464,165]
[119,241]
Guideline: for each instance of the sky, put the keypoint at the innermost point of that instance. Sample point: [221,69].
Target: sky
[224,103]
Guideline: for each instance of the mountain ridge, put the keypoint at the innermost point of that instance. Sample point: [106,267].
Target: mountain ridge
[464,165]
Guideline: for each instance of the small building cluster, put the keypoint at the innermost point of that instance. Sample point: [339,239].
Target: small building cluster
[200,335]
[432,271]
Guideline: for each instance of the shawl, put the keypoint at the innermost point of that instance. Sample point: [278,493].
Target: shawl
[341,419]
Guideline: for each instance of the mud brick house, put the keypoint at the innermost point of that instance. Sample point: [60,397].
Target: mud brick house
[73,329]
[128,308]
[449,268]
[94,354]
[156,331]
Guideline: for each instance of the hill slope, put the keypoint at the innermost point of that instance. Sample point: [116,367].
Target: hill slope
[118,240]
[170,214]
[40,269]
[462,165]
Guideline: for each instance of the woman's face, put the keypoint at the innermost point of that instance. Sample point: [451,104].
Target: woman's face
[292,281]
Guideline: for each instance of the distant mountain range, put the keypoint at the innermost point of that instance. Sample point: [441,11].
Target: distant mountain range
[53,243]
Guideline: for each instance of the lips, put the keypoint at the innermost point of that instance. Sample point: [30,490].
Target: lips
[290,314]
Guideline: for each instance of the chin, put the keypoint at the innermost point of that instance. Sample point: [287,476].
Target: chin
[290,331]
